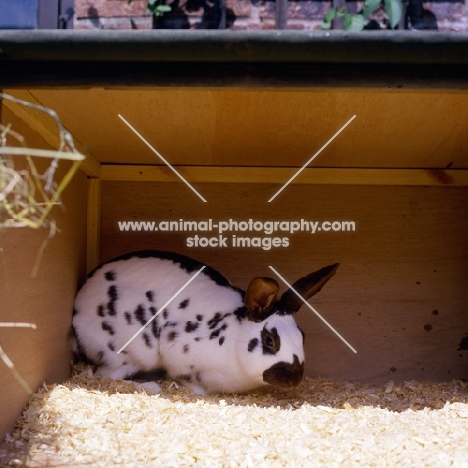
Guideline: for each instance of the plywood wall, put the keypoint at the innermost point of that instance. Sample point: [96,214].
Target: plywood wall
[399,296]
[268,127]
[40,355]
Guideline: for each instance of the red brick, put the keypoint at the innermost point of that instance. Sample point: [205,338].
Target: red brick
[109,8]
[241,8]
[306,14]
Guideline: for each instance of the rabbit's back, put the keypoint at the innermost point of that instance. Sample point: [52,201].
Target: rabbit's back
[124,295]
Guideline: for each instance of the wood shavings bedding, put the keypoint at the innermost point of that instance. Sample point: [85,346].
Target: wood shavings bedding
[94,422]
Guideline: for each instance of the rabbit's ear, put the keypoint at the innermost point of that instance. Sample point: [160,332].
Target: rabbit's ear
[306,287]
[260,298]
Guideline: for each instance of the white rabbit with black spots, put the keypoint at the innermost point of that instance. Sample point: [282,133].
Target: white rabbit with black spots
[212,337]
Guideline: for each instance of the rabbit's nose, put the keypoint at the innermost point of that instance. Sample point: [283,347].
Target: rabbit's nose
[285,374]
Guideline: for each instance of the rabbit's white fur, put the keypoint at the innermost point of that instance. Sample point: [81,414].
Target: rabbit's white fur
[203,338]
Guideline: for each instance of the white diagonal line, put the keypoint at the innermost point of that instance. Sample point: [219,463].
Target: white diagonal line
[161,157]
[161,308]
[312,158]
[313,310]
[18,324]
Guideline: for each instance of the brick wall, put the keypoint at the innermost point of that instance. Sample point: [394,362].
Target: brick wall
[244,14]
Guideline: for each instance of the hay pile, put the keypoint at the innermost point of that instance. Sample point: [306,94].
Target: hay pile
[94,422]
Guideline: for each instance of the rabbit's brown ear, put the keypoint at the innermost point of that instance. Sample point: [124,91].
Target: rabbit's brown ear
[260,298]
[306,287]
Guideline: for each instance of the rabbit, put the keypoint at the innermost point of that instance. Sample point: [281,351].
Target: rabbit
[212,337]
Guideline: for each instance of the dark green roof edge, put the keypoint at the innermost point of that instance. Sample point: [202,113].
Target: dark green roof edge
[379,59]
[369,47]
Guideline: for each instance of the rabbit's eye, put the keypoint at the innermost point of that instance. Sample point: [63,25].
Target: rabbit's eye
[270,341]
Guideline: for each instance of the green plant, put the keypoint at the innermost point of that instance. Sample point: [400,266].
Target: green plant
[356,22]
[156,7]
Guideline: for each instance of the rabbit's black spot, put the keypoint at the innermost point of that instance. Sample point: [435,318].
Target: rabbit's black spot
[113,296]
[155,329]
[140,314]
[150,295]
[198,376]
[111,346]
[164,314]
[109,275]
[217,318]
[112,293]
[111,308]
[123,352]
[106,326]
[214,321]
[271,342]
[147,340]
[152,375]
[191,326]
[198,338]
[252,344]
[128,317]
[184,304]
[216,333]
[240,313]
[100,310]
[186,348]
[199,318]
[153,310]
[221,340]
[184,377]
[172,336]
